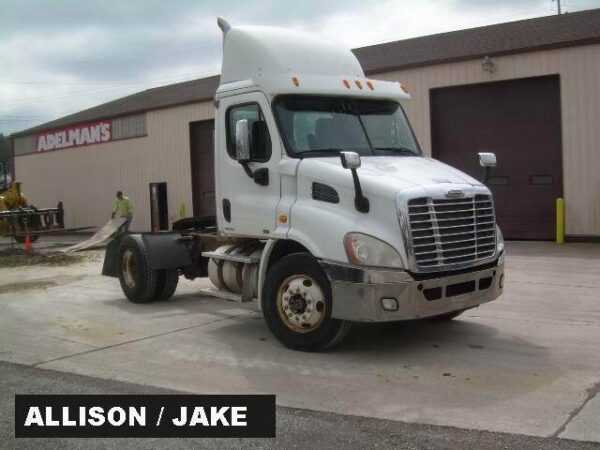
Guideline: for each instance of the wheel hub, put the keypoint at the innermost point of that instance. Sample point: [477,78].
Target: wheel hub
[129,268]
[297,304]
[301,303]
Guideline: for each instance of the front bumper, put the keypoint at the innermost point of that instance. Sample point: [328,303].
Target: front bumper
[357,293]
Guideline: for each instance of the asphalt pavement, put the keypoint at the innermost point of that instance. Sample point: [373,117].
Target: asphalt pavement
[296,428]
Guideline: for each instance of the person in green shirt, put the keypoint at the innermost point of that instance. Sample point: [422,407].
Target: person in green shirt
[123,207]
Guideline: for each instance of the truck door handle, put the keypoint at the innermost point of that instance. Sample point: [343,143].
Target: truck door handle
[227,209]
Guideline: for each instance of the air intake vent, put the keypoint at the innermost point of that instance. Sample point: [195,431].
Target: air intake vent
[324,193]
[452,231]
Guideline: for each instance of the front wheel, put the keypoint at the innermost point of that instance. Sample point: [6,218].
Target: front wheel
[296,304]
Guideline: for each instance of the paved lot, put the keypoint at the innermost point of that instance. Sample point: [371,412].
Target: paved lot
[296,428]
[526,364]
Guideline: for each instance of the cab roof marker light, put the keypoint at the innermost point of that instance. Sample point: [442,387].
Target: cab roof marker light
[370,84]
[358,84]
[296,81]
[403,88]
[347,84]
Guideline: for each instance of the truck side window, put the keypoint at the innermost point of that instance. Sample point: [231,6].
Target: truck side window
[260,140]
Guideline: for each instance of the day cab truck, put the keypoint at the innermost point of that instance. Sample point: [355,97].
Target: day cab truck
[327,212]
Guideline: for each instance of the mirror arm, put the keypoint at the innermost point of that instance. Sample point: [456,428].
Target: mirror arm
[247,169]
[361,202]
[486,174]
[260,175]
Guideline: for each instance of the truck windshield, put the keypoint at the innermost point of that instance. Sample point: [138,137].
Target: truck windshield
[323,126]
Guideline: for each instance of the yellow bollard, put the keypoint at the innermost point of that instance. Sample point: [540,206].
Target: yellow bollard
[560,220]
[181,211]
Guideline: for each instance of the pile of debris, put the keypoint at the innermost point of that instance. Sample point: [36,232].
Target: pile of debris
[14,257]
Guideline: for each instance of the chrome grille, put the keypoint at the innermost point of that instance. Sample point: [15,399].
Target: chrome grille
[455,231]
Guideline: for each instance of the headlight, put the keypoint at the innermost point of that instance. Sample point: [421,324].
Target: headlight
[365,250]
[499,240]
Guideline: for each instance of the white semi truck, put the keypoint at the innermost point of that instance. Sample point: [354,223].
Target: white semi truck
[327,211]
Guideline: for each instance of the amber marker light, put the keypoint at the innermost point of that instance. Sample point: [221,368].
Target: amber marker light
[296,81]
[347,84]
[370,85]
[403,88]
[283,219]
[358,84]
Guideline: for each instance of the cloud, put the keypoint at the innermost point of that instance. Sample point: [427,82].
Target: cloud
[64,56]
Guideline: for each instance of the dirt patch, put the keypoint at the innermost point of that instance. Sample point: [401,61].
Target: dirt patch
[26,285]
[18,257]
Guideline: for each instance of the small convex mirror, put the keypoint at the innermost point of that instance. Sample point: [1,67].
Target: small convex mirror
[350,160]
[487,159]
[242,141]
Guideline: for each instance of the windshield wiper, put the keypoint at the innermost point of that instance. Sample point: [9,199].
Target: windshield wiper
[401,150]
[320,152]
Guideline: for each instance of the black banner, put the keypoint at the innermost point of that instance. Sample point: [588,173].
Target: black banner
[84,416]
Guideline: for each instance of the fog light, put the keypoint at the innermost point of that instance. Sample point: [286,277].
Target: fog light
[501,282]
[389,304]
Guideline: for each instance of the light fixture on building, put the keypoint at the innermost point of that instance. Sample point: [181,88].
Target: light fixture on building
[487,65]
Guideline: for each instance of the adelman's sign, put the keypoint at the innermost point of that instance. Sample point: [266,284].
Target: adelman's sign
[77,136]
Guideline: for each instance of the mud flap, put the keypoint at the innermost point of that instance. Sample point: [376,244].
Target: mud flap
[110,268]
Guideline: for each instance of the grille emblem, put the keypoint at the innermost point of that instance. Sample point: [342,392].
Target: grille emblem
[455,193]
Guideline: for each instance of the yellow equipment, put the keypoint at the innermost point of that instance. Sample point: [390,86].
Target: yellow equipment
[18,218]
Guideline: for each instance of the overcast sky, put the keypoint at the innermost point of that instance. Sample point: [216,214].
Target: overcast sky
[61,56]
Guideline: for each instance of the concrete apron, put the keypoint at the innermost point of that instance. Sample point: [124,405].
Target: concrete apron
[527,363]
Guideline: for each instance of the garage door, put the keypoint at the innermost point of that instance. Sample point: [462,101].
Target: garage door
[203,167]
[519,120]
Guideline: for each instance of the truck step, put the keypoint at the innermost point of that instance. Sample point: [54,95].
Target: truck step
[234,258]
[224,295]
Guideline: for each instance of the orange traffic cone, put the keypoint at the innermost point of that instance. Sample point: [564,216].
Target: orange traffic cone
[28,244]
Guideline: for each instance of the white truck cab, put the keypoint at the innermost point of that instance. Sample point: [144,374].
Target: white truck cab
[327,211]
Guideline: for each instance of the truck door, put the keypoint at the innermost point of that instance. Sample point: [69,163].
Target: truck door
[244,206]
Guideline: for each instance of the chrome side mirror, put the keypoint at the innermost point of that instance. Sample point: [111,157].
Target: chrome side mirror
[350,160]
[242,141]
[487,159]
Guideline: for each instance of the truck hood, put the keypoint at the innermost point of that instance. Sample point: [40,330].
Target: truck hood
[385,175]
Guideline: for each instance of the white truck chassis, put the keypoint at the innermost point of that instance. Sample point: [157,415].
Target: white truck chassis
[327,213]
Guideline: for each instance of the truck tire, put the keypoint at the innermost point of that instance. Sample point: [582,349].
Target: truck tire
[166,283]
[137,280]
[296,304]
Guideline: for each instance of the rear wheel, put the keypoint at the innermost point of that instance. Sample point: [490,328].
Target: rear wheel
[166,283]
[137,280]
[296,304]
